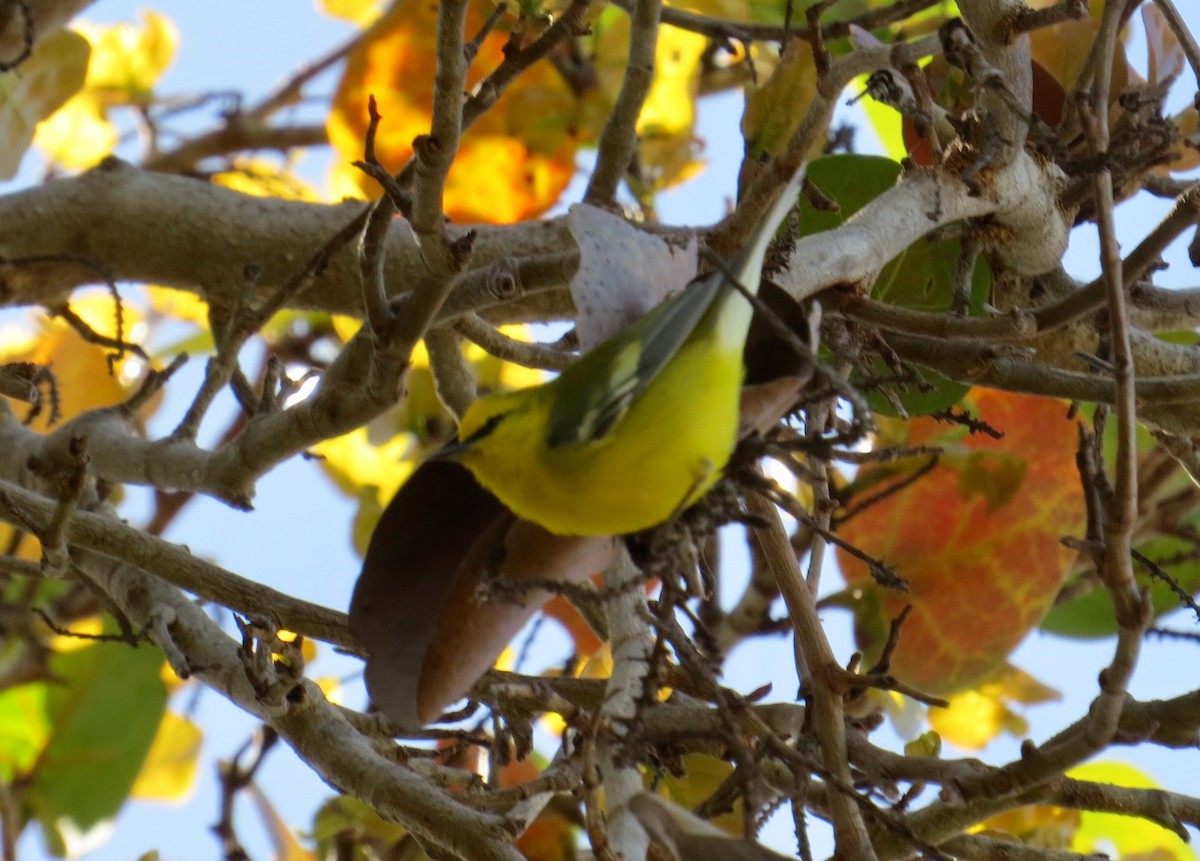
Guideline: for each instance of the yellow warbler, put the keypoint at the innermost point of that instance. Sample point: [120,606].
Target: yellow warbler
[641,426]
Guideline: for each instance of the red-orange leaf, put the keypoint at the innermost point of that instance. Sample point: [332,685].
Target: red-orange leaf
[977,540]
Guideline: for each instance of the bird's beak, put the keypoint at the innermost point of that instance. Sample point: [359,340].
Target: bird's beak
[450,451]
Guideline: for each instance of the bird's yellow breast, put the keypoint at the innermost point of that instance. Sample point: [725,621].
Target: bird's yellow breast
[664,453]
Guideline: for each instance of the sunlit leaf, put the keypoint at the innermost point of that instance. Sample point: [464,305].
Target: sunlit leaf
[79,635]
[978,715]
[263,178]
[169,772]
[665,125]
[774,110]
[24,728]
[512,164]
[80,368]
[346,816]
[354,462]
[361,12]
[926,744]
[52,74]
[885,120]
[1039,826]
[702,775]
[1130,836]
[78,135]
[178,304]
[127,59]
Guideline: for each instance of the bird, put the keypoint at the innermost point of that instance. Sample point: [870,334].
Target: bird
[642,425]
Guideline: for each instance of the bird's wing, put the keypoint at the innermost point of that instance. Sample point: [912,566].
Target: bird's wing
[599,389]
[620,369]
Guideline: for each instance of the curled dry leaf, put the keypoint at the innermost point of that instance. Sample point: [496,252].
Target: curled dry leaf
[417,607]
[623,272]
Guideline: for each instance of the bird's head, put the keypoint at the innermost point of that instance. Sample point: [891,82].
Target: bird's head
[482,421]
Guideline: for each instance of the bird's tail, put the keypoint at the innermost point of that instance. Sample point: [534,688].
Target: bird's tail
[747,266]
[733,311]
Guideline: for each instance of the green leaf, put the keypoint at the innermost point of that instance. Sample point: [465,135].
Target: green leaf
[104,711]
[1091,616]
[921,279]
[851,180]
[24,728]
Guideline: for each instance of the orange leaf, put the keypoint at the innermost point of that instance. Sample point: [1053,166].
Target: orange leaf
[550,837]
[512,164]
[977,540]
[581,633]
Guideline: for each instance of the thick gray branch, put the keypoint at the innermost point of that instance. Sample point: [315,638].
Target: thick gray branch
[184,233]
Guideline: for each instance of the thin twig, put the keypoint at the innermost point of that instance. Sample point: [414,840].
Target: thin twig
[546,358]
[619,139]
[853,840]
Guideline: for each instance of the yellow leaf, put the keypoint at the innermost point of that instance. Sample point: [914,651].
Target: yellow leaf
[885,120]
[507,662]
[498,179]
[1186,150]
[78,135]
[331,686]
[1013,683]
[926,744]
[169,772]
[702,775]
[1038,826]
[344,816]
[308,646]
[353,462]
[283,841]
[666,123]
[86,628]
[263,178]
[361,12]
[178,304]
[52,74]
[670,106]
[1130,836]
[978,715]
[774,110]
[170,679]
[344,181]
[28,547]
[971,721]
[98,310]
[80,368]
[599,665]
[127,59]
[508,166]
[347,327]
